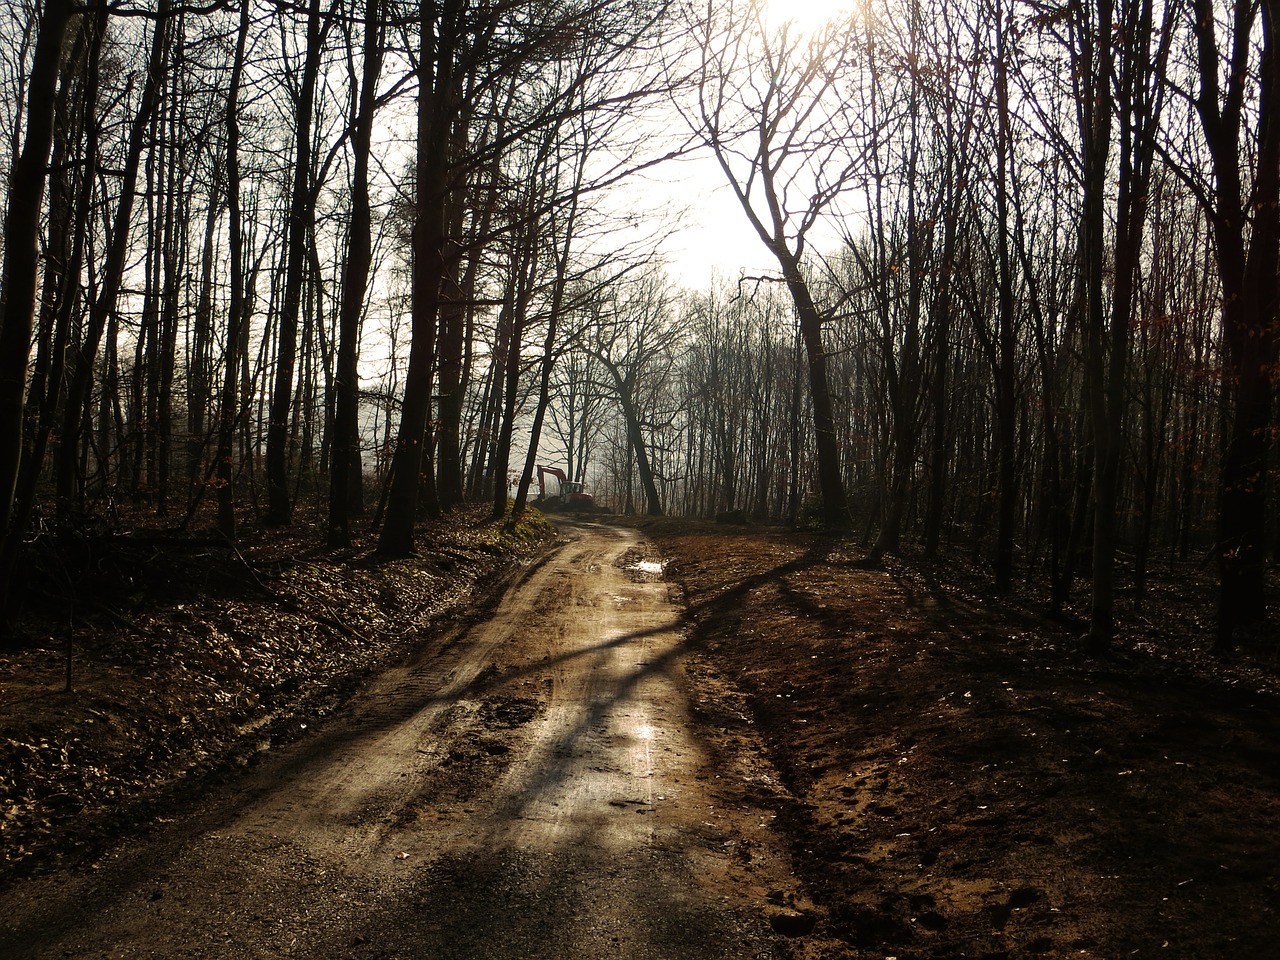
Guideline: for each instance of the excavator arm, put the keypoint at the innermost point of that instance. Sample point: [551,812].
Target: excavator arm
[542,481]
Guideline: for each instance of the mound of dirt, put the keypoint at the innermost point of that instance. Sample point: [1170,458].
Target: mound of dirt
[959,781]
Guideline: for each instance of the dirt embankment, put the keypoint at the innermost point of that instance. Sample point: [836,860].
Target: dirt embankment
[188,657]
[960,782]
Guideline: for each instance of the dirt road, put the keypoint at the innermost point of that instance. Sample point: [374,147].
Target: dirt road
[528,787]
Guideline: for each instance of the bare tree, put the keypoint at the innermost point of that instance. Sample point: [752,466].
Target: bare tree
[767,105]
[19,273]
[299,232]
[112,276]
[440,37]
[634,337]
[21,247]
[1243,201]
[345,453]
[237,306]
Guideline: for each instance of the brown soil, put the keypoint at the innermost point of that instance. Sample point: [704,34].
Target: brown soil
[950,777]
[528,785]
[188,659]
[958,781]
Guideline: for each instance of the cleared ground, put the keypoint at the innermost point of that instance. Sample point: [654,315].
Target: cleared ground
[958,781]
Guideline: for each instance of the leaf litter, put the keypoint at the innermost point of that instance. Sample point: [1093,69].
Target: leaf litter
[210,657]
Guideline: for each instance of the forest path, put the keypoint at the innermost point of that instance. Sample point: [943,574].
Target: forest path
[530,787]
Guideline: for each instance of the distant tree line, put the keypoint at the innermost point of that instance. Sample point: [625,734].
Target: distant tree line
[368,255]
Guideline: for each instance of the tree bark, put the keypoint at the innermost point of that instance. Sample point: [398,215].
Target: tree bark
[344,462]
[835,511]
[1248,279]
[279,505]
[229,411]
[21,248]
[452,345]
[1006,378]
[435,109]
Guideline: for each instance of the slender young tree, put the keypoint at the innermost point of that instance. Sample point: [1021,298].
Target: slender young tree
[561,223]
[237,306]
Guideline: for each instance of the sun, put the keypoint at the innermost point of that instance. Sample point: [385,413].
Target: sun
[808,16]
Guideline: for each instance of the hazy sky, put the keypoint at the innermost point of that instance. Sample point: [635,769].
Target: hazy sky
[713,235]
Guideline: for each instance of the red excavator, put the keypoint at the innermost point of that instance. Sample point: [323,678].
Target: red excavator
[570,495]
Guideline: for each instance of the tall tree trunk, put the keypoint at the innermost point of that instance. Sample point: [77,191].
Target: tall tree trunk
[1006,377]
[175,243]
[1137,101]
[1096,107]
[344,462]
[1248,280]
[435,109]
[938,439]
[71,186]
[506,427]
[21,248]
[229,408]
[62,280]
[452,345]
[200,360]
[279,505]
[524,267]
[835,510]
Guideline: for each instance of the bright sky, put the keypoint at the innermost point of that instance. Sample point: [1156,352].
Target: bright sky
[808,14]
[713,236]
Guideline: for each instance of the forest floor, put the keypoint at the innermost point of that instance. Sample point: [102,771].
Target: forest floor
[958,781]
[187,659]
[950,777]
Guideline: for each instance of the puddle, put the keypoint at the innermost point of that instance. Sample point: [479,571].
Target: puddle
[645,569]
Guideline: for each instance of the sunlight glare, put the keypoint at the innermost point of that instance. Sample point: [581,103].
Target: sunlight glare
[808,16]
